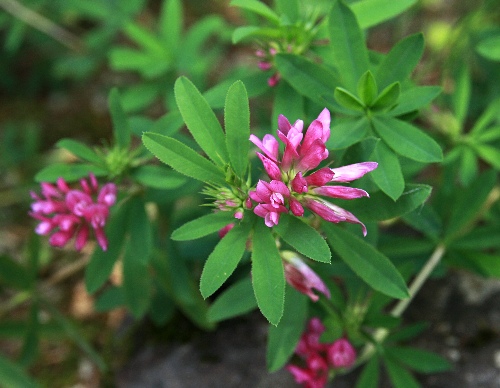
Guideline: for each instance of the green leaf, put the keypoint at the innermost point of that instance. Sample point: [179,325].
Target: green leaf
[80,150]
[110,299]
[182,158]
[468,165]
[237,125]
[257,7]
[490,47]
[170,24]
[380,207]
[419,360]
[223,260]
[144,38]
[283,339]
[368,263]
[348,100]
[30,350]
[201,120]
[479,238]
[468,202]
[367,88]
[489,153]
[290,8]
[399,63]
[461,95]
[407,140]
[369,378]
[388,175]
[12,375]
[490,115]
[487,264]
[202,226]
[387,98]
[14,274]
[287,102]
[238,299]
[415,98]
[345,133]
[101,262]
[121,128]
[268,275]
[400,377]
[70,172]
[304,238]
[306,77]
[348,44]
[372,12]
[158,177]
[426,220]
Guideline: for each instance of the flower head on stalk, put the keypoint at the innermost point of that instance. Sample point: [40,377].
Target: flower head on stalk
[293,186]
[68,213]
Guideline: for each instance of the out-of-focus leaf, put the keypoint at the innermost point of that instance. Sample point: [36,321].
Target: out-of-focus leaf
[490,47]
[158,177]
[12,375]
[203,226]
[258,8]
[372,12]
[70,172]
[121,128]
[80,150]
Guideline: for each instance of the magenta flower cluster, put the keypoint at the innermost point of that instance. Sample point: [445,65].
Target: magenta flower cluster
[293,187]
[319,357]
[66,213]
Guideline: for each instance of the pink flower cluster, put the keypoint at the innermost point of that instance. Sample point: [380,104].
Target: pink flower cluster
[320,357]
[292,187]
[266,63]
[68,213]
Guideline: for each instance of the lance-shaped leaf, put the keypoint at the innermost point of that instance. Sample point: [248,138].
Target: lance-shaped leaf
[304,238]
[348,44]
[268,275]
[238,299]
[399,375]
[415,98]
[80,150]
[347,132]
[203,226]
[237,125]
[158,177]
[367,262]
[388,175]
[398,64]
[369,377]
[407,140]
[201,120]
[387,98]
[490,47]
[419,360]
[257,7]
[182,158]
[347,99]
[283,339]
[380,207]
[306,77]
[224,258]
[367,88]
[121,129]
[170,24]
[70,172]
[12,375]
[372,12]
[490,154]
[461,95]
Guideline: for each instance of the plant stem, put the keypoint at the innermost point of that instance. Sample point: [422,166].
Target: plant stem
[397,311]
[42,24]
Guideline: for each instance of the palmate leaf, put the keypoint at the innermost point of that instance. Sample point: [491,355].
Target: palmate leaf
[268,275]
[201,120]
[237,125]
[182,158]
[304,238]
[283,339]
[407,140]
[224,258]
[366,261]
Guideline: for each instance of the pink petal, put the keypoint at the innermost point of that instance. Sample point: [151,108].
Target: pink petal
[82,237]
[332,213]
[341,354]
[352,171]
[299,184]
[101,238]
[300,276]
[313,156]
[107,194]
[272,169]
[320,177]
[269,145]
[340,192]
[296,208]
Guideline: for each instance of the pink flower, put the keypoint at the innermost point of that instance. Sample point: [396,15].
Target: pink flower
[68,213]
[300,276]
[341,354]
[303,153]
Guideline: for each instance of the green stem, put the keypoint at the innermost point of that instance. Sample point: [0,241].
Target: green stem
[380,334]
[42,24]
